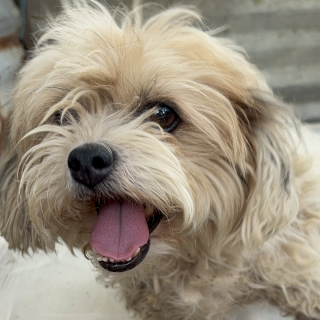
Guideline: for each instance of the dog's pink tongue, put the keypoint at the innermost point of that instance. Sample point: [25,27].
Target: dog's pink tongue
[121,228]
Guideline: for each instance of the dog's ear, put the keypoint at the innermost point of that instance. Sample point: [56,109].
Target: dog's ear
[272,199]
[15,224]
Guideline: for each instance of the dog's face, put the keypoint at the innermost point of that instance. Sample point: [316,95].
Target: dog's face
[114,130]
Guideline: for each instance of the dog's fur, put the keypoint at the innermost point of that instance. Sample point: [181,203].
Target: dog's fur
[240,193]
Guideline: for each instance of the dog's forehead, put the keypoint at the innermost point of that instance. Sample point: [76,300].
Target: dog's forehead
[138,70]
[153,66]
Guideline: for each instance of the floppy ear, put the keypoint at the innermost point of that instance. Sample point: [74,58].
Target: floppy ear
[272,199]
[15,224]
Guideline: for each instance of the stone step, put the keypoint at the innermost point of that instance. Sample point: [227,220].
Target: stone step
[300,93]
[299,85]
[286,56]
[289,58]
[315,127]
[290,61]
[308,112]
[249,6]
[243,16]
[295,83]
[255,42]
[301,19]
[281,48]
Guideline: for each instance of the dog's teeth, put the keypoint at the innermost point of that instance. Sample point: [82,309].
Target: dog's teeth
[136,252]
[106,259]
[99,258]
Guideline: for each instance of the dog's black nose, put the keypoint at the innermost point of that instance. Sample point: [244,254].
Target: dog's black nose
[90,163]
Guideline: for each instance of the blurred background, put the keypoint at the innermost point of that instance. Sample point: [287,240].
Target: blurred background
[282,37]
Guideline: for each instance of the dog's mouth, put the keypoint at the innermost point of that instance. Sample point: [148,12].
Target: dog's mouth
[121,236]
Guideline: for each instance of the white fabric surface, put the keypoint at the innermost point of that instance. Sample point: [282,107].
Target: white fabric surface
[55,287]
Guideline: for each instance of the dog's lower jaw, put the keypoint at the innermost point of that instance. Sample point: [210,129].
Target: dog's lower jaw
[129,264]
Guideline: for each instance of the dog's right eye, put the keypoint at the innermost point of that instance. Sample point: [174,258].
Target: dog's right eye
[165,116]
[63,119]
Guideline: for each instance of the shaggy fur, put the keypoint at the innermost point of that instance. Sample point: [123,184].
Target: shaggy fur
[238,188]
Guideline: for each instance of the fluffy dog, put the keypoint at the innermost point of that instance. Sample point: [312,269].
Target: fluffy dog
[162,153]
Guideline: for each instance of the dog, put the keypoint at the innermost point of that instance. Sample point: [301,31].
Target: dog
[162,153]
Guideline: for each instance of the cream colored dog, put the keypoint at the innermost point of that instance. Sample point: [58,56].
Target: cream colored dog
[162,152]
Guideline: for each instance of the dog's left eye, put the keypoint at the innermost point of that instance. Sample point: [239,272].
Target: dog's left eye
[166,117]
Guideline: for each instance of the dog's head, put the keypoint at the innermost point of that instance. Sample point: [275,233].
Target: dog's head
[117,128]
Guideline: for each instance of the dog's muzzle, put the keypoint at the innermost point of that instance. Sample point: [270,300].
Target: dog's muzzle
[90,163]
[121,236]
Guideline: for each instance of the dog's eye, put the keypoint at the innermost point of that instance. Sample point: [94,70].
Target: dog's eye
[165,116]
[63,119]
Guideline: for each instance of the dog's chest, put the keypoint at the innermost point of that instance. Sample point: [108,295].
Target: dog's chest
[182,294]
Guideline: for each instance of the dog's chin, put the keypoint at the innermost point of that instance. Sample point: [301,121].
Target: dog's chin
[121,236]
